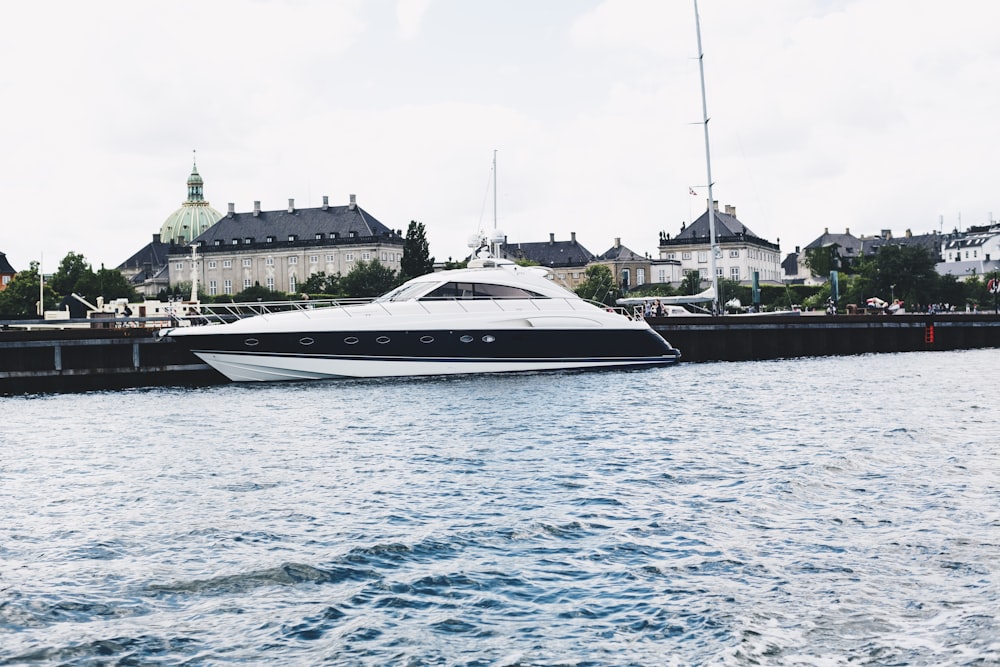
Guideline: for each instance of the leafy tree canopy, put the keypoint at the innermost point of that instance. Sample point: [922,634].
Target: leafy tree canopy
[598,285]
[20,299]
[76,276]
[320,283]
[368,279]
[691,284]
[416,260]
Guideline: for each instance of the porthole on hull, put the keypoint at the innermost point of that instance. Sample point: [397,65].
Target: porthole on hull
[488,338]
[427,339]
[251,342]
[382,340]
[351,340]
[306,341]
[466,338]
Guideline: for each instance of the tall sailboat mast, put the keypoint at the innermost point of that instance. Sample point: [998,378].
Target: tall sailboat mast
[494,188]
[708,166]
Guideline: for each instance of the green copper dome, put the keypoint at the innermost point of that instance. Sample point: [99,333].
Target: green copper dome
[193,217]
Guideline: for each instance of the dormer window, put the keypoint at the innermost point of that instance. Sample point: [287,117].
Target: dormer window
[335,235]
[319,236]
[236,241]
[352,234]
[291,237]
[218,241]
[270,239]
[247,241]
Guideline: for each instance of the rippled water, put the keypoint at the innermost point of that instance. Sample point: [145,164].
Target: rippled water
[813,512]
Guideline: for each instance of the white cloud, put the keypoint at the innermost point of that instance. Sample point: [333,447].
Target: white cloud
[410,14]
[868,115]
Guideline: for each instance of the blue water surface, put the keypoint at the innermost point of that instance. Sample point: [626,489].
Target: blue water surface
[803,512]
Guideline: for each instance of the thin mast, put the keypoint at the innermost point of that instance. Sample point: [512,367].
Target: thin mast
[708,167]
[494,188]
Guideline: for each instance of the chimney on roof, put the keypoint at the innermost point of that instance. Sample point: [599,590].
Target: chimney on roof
[291,205]
[887,233]
[618,242]
[232,210]
[326,202]
[847,230]
[730,210]
[826,230]
[797,250]
[354,202]
[909,234]
[156,238]
[256,208]
[572,238]
[715,204]
[552,238]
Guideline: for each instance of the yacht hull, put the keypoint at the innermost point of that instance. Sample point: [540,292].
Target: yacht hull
[366,354]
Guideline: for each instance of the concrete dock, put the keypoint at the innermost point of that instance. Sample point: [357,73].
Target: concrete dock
[80,359]
[760,337]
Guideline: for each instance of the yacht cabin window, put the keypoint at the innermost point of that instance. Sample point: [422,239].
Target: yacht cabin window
[459,290]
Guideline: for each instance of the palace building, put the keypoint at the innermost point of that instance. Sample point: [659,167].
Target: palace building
[281,249]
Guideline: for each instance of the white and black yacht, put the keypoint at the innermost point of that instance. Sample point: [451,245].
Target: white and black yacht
[492,317]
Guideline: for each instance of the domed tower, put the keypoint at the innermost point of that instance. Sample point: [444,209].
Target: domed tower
[193,217]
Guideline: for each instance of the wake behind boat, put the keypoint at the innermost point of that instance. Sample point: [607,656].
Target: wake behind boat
[493,317]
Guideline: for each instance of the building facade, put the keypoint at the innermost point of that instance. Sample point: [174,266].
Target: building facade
[566,259]
[7,272]
[975,252]
[629,268]
[741,252]
[280,250]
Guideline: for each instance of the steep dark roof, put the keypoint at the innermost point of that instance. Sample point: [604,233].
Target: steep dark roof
[850,245]
[725,225]
[331,222]
[548,253]
[790,265]
[728,228]
[153,253]
[5,266]
[930,242]
[619,253]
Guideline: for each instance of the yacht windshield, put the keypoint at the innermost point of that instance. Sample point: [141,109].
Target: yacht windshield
[462,290]
[405,292]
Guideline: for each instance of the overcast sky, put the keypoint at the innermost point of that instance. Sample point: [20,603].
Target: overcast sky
[860,114]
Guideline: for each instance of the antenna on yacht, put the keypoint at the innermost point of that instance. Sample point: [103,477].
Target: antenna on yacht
[487,245]
[708,167]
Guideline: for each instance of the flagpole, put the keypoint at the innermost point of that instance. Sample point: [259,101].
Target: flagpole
[708,167]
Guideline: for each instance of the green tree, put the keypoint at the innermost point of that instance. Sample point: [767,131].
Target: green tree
[691,284]
[320,283]
[73,269]
[368,279]
[111,284]
[416,260]
[76,276]
[821,261]
[901,272]
[256,293]
[598,285]
[20,299]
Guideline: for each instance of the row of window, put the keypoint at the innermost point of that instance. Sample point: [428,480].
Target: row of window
[958,255]
[293,259]
[319,236]
[227,285]
[734,253]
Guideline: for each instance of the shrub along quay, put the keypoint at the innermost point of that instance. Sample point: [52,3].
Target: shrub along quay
[53,360]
